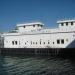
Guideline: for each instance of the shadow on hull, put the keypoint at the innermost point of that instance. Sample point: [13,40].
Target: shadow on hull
[71,45]
[63,52]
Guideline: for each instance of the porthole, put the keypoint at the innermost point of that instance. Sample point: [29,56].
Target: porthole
[67,40]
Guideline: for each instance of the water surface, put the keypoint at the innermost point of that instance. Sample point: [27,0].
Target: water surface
[36,65]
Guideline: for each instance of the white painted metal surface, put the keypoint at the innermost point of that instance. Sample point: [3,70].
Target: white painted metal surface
[33,35]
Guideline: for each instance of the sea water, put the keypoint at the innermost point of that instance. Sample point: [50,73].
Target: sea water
[36,65]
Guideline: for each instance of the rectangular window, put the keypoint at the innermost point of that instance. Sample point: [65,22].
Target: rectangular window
[19,42]
[62,41]
[33,25]
[71,23]
[41,25]
[40,42]
[48,42]
[15,42]
[58,41]
[12,42]
[43,42]
[25,43]
[24,26]
[38,25]
[66,23]
[53,42]
[36,43]
[62,24]
[31,42]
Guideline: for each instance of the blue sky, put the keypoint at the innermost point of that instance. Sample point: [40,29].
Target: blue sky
[46,11]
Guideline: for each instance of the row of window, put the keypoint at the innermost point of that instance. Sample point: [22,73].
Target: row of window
[59,41]
[33,26]
[16,42]
[37,43]
[62,24]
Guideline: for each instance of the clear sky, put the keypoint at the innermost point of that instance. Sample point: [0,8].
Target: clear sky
[46,11]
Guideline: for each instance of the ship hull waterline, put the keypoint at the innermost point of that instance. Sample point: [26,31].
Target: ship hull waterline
[38,51]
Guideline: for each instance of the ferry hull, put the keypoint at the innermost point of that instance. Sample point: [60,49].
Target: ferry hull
[38,51]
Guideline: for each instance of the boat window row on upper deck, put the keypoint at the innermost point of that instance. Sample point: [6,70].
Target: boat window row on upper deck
[67,23]
[33,26]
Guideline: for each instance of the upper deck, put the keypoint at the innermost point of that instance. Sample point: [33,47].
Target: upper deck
[29,27]
[38,28]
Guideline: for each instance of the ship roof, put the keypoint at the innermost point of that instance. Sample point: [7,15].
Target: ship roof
[62,21]
[30,24]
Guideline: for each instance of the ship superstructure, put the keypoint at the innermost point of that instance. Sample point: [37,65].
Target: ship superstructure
[34,35]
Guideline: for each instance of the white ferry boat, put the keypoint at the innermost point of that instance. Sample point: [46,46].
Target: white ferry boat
[35,36]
